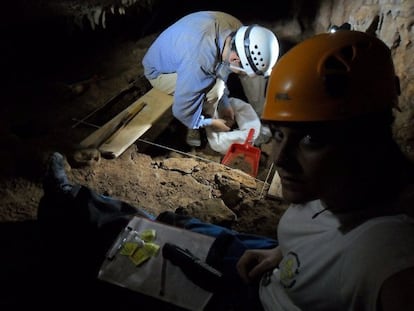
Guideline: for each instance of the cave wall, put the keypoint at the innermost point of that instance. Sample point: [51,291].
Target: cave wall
[392,21]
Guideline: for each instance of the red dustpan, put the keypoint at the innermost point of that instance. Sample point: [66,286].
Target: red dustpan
[244,157]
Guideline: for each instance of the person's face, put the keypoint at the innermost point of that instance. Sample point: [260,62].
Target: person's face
[235,63]
[319,161]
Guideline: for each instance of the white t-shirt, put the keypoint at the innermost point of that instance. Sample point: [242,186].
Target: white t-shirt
[327,266]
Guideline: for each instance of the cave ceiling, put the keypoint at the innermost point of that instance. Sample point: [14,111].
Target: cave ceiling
[97,14]
[90,13]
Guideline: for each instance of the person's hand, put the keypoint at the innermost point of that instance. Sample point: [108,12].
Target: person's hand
[255,262]
[219,125]
[228,115]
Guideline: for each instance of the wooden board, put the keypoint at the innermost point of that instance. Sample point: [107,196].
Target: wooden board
[115,136]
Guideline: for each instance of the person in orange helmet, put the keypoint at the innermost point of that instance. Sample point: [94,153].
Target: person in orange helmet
[347,241]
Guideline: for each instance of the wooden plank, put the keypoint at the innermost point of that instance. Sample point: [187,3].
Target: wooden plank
[128,117]
[275,189]
[115,136]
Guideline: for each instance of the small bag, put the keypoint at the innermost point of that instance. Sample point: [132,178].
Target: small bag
[246,119]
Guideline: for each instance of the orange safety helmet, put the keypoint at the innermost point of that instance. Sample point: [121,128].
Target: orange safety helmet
[332,76]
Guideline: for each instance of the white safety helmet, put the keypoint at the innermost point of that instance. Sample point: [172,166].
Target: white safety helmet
[258,49]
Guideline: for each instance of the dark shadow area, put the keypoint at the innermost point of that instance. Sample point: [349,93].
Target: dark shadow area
[19,262]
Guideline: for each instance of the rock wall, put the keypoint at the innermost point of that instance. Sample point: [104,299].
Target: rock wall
[392,21]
